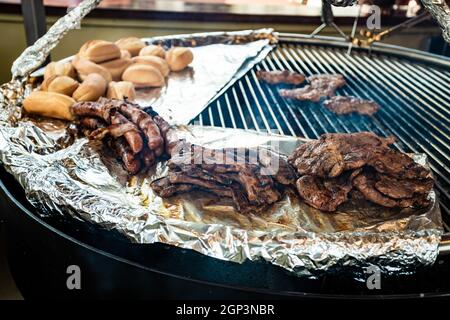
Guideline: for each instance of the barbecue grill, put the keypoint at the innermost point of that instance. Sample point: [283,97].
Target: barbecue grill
[413,90]
[412,87]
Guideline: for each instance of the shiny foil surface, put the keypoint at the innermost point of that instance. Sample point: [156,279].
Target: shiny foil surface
[83,179]
[62,173]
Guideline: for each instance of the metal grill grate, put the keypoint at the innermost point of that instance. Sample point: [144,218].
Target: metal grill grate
[415,101]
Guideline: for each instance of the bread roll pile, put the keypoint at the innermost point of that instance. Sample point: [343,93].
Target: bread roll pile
[104,69]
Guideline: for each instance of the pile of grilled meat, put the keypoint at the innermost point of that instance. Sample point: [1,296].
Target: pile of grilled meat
[361,165]
[319,86]
[138,137]
[252,178]
[326,172]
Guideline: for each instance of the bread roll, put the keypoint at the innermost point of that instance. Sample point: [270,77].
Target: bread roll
[85,67]
[121,90]
[132,44]
[99,51]
[124,54]
[60,84]
[59,68]
[153,51]
[142,75]
[154,61]
[179,58]
[92,88]
[49,104]
[116,67]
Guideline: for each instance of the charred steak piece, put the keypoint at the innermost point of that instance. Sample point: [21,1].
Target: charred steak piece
[350,104]
[362,164]
[398,164]
[285,76]
[236,173]
[366,183]
[320,85]
[334,153]
[325,194]
[164,188]
[402,188]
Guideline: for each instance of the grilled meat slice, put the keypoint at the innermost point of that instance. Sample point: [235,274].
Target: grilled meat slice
[233,173]
[398,164]
[276,77]
[366,184]
[181,177]
[130,162]
[165,189]
[92,123]
[101,109]
[114,130]
[133,137]
[327,81]
[388,177]
[321,85]
[326,193]
[334,153]
[350,104]
[146,124]
[402,188]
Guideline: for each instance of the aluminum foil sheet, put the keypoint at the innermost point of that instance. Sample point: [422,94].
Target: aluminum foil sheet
[83,179]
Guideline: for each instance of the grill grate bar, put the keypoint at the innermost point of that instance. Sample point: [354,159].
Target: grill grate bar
[426,83]
[409,93]
[414,99]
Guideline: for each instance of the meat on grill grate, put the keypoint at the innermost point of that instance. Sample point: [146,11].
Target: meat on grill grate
[320,85]
[333,165]
[276,77]
[350,104]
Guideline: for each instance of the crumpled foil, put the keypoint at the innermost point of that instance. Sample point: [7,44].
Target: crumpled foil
[440,11]
[63,174]
[84,180]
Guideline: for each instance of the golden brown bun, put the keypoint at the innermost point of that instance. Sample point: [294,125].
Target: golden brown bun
[60,84]
[179,58]
[132,44]
[99,51]
[59,68]
[92,88]
[49,104]
[124,54]
[142,75]
[154,61]
[153,51]
[116,67]
[85,67]
[121,90]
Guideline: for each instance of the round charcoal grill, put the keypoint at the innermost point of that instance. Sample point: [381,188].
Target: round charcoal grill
[413,90]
